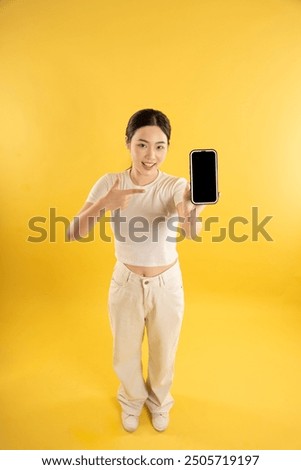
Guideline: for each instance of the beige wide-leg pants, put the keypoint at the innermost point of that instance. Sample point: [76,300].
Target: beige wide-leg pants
[156,304]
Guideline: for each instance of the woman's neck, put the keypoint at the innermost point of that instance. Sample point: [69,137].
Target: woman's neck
[142,180]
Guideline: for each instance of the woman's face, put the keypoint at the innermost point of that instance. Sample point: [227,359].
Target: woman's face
[148,149]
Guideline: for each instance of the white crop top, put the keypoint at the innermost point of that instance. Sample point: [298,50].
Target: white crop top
[146,231]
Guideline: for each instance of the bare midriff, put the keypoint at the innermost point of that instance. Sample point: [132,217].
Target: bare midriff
[149,271]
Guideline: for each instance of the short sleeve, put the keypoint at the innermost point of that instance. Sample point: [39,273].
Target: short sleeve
[179,189]
[100,189]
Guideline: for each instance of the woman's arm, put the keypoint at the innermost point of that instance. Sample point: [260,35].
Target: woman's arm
[188,213]
[85,219]
[190,224]
[90,213]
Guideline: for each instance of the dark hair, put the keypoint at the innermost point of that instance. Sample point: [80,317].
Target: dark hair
[147,117]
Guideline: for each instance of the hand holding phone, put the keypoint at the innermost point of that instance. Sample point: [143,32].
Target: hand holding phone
[203,176]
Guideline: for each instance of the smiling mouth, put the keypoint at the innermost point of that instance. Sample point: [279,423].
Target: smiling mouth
[148,165]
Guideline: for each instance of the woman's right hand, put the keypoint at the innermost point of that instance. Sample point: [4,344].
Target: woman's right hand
[119,198]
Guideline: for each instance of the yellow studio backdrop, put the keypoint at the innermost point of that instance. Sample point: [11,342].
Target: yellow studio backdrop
[227,73]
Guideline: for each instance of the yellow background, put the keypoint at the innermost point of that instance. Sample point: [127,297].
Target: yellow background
[228,74]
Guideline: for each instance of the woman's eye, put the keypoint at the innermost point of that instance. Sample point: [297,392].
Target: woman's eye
[160,147]
[141,145]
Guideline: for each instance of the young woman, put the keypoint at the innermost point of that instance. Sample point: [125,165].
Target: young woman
[146,288]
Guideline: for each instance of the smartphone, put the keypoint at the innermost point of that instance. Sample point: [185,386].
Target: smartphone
[203,176]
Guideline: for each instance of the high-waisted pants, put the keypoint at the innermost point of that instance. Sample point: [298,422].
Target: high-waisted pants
[156,304]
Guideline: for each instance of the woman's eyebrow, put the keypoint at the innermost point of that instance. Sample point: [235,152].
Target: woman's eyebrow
[160,142]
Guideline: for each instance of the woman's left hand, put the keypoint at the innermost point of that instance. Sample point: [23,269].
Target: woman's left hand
[188,206]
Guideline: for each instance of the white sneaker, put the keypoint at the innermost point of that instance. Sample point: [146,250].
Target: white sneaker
[129,422]
[160,421]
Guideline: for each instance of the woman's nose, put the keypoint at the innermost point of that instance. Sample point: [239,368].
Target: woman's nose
[151,153]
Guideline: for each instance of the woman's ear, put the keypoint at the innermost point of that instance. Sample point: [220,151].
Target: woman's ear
[127,143]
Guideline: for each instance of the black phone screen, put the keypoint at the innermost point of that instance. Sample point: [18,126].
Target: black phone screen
[203,176]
